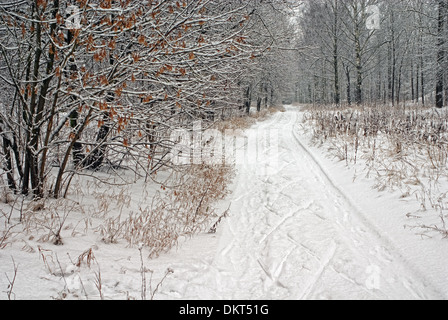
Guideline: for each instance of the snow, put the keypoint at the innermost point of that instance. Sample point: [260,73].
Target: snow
[301,228]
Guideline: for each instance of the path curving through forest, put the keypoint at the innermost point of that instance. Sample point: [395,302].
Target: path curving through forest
[293,234]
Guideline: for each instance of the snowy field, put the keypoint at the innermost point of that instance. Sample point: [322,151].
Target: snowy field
[300,228]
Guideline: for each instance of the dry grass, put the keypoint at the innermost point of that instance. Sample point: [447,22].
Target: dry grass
[182,208]
[404,150]
[242,122]
[11,281]
[48,219]
[235,123]
[108,207]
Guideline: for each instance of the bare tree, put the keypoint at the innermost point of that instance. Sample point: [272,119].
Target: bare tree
[398,60]
[441,52]
[92,83]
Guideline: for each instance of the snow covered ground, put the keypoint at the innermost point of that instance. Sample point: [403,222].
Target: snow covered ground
[308,232]
[302,229]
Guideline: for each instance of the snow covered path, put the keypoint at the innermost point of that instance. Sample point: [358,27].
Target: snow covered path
[296,235]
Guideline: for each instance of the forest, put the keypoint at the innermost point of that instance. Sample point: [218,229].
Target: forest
[88,83]
[374,52]
[100,99]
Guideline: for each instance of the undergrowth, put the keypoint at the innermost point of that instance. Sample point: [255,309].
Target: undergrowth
[402,150]
[183,207]
[127,208]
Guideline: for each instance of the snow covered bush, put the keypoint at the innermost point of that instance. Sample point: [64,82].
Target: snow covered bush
[183,207]
[402,150]
[87,90]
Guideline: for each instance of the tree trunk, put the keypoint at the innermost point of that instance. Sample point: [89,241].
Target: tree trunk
[259,100]
[58,184]
[440,55]
[358,58]
[8,168]
[337,92]
[248,99]
[349,86]
[412,83]
[95,160]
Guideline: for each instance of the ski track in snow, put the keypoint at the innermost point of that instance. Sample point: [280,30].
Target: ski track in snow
[296,235]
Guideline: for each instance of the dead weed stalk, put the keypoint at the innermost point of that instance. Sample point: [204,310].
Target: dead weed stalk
[401,149]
